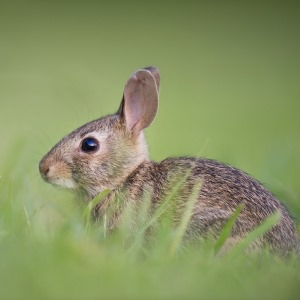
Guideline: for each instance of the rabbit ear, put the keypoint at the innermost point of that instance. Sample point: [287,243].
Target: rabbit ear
[155,73]
[140,100]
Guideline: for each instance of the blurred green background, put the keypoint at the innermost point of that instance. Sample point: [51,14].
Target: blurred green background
[230,74]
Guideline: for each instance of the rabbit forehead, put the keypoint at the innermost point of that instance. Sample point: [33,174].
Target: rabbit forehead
[74,139]
[100,129]
[99,135]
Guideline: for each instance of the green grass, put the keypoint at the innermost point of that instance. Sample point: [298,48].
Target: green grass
[50,250]
[229,91]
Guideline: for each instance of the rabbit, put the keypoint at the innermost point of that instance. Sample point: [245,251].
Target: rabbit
[111,153]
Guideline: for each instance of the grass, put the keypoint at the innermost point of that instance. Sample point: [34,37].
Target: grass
[229,91]
[50,250]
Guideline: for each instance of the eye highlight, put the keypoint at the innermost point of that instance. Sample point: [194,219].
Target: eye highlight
[89,145]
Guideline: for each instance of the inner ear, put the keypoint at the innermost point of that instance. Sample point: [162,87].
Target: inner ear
[140,101]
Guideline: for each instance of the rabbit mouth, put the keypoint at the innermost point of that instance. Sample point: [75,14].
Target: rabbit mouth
[63,182]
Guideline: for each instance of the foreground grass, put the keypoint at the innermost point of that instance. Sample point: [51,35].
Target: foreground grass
[50,250]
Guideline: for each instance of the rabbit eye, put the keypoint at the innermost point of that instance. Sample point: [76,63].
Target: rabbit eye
[89,145]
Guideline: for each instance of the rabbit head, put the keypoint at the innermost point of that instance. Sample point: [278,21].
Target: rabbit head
[101,154]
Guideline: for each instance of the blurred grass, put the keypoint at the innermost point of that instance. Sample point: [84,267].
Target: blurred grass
[230,91]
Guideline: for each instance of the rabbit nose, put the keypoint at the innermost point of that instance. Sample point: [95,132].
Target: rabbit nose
[44,169]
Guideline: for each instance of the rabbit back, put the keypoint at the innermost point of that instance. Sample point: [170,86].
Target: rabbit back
[224,188]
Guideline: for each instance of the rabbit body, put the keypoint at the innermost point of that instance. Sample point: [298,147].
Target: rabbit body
[111,153]
[223,189]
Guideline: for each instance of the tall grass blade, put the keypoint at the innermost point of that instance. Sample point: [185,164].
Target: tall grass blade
[87,212]
[163,212]
[166,203]
[143,218]
[181,229]
[268,224]
[227,229]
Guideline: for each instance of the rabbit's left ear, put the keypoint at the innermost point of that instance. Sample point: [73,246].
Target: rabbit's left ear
[155,73]
[140,100]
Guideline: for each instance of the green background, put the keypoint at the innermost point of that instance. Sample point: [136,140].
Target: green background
[230,74]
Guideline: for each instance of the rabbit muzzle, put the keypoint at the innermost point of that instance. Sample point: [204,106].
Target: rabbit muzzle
[57,173]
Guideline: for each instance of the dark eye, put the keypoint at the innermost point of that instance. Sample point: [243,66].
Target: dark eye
[89,145]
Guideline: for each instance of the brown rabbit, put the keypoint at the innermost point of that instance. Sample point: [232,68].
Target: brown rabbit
[111,153]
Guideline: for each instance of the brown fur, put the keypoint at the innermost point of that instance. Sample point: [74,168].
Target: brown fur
[122,165]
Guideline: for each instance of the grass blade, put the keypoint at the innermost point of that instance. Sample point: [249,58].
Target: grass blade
[87,213]
[180,231]
[227,229]
[166,203]
[268,224]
